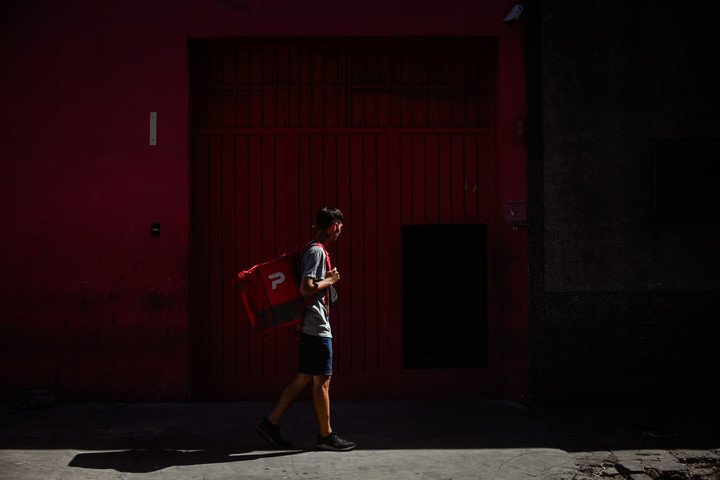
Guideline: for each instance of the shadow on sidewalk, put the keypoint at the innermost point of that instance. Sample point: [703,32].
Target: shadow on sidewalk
[153,460]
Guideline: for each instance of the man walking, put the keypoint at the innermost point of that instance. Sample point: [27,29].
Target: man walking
[315,352]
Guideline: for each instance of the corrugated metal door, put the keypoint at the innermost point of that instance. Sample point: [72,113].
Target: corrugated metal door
[392,132]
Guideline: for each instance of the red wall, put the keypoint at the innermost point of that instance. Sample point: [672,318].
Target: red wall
[91,305]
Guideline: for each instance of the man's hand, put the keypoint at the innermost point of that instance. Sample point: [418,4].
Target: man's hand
[333,276]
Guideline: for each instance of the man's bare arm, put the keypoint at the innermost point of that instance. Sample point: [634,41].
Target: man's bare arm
[310,286]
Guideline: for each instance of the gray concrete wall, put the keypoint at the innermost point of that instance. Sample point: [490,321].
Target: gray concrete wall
[622,304]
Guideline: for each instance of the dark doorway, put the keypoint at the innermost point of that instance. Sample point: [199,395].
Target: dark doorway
[445,296]
[685,180]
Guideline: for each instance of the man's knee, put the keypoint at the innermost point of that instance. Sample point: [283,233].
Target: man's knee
[321,381]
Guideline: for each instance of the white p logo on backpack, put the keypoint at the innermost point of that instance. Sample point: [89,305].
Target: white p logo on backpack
[277,279]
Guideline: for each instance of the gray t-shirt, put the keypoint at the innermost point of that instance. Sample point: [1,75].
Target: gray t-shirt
[313,264]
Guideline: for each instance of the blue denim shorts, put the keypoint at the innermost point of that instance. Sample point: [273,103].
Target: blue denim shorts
[315,355]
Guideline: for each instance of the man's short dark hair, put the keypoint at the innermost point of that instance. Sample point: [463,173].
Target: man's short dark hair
[327,217]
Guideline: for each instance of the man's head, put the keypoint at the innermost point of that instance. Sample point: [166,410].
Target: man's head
[329,222]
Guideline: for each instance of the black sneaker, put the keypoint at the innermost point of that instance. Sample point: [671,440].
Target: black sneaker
[271,433]
[334,442]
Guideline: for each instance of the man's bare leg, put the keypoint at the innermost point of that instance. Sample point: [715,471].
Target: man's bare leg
[321,401]
[288,396]
[327,439]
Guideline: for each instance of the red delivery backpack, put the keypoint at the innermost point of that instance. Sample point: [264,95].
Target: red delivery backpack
[270,292]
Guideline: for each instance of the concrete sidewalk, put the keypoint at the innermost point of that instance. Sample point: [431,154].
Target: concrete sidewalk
[438,439]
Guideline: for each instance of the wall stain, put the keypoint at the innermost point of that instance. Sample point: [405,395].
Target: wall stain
[155,301]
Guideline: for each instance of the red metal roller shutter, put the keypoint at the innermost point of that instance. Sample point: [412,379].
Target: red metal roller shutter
[393,132]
